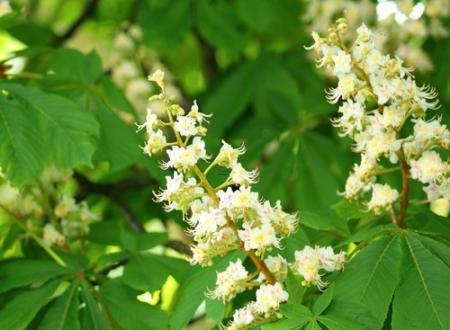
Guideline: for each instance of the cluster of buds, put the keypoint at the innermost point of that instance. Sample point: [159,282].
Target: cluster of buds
[402,25]
[48,209]
[379,96]
[227,217]
[126,61]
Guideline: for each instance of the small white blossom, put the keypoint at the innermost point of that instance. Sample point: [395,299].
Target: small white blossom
[382,197]
[186,126]
[230,282]
[269,297]
[429,167]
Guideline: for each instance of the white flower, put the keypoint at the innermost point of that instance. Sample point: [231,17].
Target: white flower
[207,222]
[307,264]
[364,33]
[230,282]
[151,121]
[382,197]
[123,42]
[135,31]
[327,258]
[198,147]
[242,317]
[346,86]
[245,198]
[258,238]
[433,130]
[184,158]
[228,155]
[186,126]
[269,297]
[137,89]
[242,177]
[277,266]
[374,61]
[226,198]
[435,191]
[66,205]
[156,142]
[352,117]
[342,63]
[124,72]
[52,236]
[158,78]
[197,115]
[429,167]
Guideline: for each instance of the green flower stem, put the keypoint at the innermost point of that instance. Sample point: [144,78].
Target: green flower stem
[38,240]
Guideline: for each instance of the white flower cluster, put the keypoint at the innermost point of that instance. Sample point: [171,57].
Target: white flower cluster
[268,300]
[308,263]
[51,213]
[128,60]
[402,25]
[222,218]
[378,97]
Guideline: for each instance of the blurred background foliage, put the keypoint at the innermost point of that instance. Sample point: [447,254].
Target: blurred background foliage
[244,61]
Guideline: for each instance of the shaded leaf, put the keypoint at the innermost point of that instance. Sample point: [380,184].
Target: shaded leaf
[421,300]
[21,309]
[63,313]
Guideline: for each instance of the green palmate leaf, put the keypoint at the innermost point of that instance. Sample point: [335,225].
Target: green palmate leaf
[339,322]
[276,172]
[317,191]
[93,318]
[63,313]
[66,134]
[19,311]
[71,131]
[142,241]
[324,220]
[83,71]
[372,276]
[118,144]
[350,310]
[296,312]
[214,309]
[294,288]
[285,324]
[192,291]
[218,26]
[323,301]
[229,100]
[23,272]
[439,249]
[20,154]
[137,275]
[367,234]
[277,95]
[350,210]
[85,83]
[313,325]
[128,312]
[165,23]
[256,14]
[422,298]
